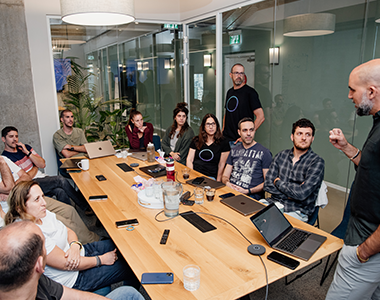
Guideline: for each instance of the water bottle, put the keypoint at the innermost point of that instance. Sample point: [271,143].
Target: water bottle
[150,150]
[170,173]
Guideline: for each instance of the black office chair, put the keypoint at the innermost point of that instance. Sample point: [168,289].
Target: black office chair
[156,142]
[340,232]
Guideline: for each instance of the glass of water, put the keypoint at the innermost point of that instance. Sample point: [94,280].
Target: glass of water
[198,195]
[191,277]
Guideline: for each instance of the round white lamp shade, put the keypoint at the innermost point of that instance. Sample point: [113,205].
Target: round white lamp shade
[97,12]
[309,25]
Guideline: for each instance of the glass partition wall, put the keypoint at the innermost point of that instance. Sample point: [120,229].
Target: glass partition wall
[307,76]
[138,63]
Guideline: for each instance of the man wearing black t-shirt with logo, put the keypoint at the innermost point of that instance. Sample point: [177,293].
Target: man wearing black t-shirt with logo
[241,101]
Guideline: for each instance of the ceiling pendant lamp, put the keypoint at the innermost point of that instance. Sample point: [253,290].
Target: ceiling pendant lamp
[97,12]
[309,25]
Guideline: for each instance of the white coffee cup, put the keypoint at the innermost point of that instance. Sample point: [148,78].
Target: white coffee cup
[84,164]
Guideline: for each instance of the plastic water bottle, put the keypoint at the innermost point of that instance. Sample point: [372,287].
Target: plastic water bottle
[150,150]
[170,173]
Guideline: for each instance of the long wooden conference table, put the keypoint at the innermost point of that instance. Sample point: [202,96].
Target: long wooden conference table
[228,271]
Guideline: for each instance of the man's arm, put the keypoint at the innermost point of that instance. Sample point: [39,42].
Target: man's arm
[271,175]
[259,113]
[339,141]
[23,176]
[300,191]
[226,175]
[69,153]
[370,246]
[37,160]
[7,182]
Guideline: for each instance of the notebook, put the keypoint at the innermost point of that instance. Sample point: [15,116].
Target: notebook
[278,233]
[154,170]
[207,182]
[140,155]
[99,149]
[243,204]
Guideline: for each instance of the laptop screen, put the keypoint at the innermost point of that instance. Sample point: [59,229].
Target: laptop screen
[271,223]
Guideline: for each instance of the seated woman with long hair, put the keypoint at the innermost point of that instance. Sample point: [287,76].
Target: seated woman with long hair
[139,133]
[87,268]
[178,136]
[209,150]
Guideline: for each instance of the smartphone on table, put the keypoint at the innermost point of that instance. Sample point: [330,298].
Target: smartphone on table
[157,278]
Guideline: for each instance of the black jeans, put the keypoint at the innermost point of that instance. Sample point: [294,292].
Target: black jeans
[60,188]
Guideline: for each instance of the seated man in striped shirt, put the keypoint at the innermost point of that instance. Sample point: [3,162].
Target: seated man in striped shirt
[295,175]
[28,159]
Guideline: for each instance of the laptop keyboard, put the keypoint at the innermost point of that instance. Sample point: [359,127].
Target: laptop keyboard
[293,240]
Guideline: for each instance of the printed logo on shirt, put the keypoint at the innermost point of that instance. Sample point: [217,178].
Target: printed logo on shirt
[232,104]
[206,155]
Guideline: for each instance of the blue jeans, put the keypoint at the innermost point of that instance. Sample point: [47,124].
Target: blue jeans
[96,278]
[59,187]
[125,293]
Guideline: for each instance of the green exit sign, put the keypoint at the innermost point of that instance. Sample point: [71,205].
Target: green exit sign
[235,39]
[171,26]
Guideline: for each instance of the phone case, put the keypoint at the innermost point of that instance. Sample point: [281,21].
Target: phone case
[157,278]
[224,196]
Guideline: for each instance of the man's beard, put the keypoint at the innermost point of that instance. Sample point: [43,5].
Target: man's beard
[365,107]
[238,81]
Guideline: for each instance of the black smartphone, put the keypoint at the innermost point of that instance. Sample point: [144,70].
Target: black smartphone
[125,223]
[283,260]
[224,196]
[98,197]
[157,278]
[198,180]
[100,177]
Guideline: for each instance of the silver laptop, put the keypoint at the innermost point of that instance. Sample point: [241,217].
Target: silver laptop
[70,163]
[282,236]
[99,149]
[142,155]
[243,204]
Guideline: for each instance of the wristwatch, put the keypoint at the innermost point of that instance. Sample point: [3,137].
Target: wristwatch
[72,148]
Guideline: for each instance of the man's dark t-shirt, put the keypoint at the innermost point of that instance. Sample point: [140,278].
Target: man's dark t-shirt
[240,103]
[48,289]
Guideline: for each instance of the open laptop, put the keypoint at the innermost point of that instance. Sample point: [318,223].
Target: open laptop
[99,149]
[70,163]
[243,204]
[279,233]
[207,182]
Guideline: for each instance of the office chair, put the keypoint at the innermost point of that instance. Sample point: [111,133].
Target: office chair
[59,163]
[156,142]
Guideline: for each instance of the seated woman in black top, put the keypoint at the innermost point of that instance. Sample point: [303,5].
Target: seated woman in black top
[139,133]
[209,150]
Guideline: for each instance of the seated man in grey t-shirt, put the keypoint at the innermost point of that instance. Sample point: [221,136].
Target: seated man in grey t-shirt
[247,163]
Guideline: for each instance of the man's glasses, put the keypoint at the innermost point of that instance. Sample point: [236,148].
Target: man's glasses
[210,124]
[238,73]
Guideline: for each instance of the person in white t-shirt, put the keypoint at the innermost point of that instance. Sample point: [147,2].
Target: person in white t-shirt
[68,262]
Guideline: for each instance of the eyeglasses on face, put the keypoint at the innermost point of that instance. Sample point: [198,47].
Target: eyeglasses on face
[210,124]
[238,73]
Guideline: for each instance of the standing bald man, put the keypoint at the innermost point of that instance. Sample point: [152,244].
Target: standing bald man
[357,275]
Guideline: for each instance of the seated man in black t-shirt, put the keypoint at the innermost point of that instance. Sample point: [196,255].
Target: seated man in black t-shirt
[24,242]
